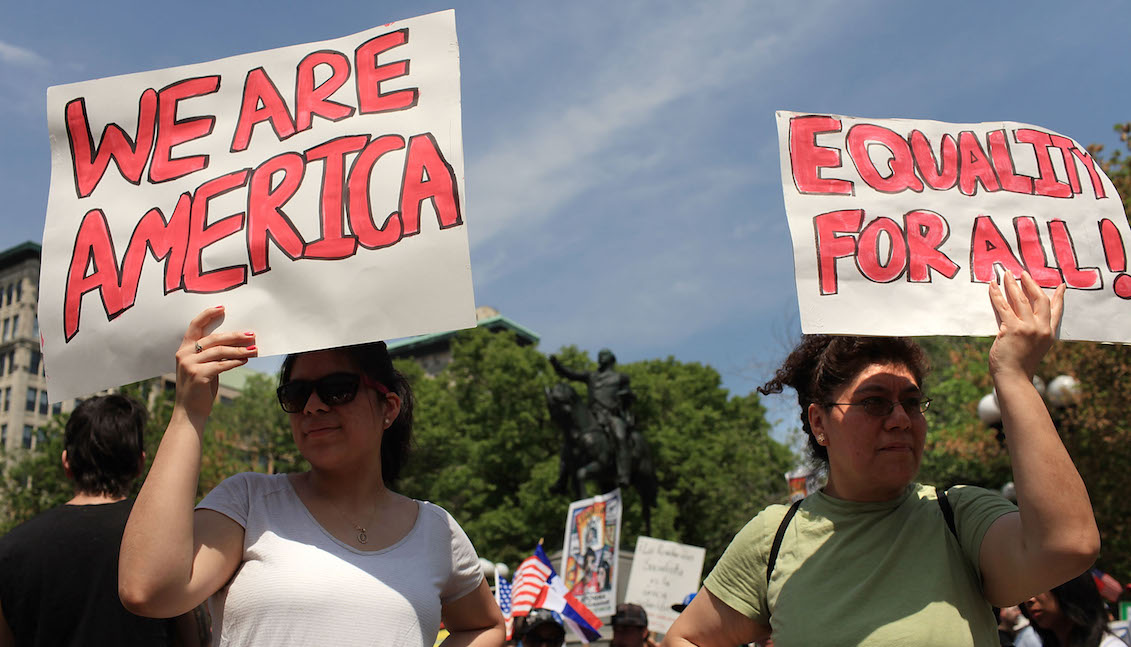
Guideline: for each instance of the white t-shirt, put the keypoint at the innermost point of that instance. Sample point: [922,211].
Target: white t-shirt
[299,585]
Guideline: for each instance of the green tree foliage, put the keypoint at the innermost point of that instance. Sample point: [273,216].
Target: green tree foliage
[487,452]
[1096,431]
[248,434]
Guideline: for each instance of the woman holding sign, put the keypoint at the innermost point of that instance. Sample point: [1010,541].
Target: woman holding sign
[876,559]
[331,556]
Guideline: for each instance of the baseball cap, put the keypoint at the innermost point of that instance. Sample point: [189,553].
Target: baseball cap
[538,617]
[630,615]
[683,605]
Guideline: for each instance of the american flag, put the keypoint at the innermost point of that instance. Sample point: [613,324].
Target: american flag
[529,580]
[503,597]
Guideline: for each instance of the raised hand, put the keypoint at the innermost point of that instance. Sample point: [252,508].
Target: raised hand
[1027,322]
[202,357]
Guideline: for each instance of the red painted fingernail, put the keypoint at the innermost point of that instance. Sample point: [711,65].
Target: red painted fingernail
[249,334]
[219,307]
[251,347]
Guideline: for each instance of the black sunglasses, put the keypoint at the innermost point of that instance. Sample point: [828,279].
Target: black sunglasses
[882,407]
[333,390]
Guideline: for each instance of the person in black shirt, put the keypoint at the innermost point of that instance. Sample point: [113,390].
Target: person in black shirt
[59,570]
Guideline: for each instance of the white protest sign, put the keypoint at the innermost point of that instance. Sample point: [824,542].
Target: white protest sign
[897,225]
[315,191]
[663,573]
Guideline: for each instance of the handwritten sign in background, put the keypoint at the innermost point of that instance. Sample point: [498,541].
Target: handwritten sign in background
[663,573]
[316,191]
[897,225]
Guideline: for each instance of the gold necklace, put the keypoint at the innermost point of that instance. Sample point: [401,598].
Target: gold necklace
[362,534]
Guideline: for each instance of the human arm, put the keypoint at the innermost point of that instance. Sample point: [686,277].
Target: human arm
[710,622]
[173,558]
[1053,536]
[562,371]
[473,620]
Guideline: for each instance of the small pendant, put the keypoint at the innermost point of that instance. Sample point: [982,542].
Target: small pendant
[362,537]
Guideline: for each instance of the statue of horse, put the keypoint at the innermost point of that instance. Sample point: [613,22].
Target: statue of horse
[587,452]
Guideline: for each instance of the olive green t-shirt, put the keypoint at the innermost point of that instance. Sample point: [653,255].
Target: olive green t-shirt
[875,574]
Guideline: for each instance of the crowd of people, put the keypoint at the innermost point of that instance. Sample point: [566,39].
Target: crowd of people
[335,555]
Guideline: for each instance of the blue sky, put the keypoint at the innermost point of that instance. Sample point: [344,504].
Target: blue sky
[622,176]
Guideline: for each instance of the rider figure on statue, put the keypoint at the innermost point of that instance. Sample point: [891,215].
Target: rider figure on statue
[609,400]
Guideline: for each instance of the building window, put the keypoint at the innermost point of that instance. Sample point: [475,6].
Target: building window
[10,286]
[30,406]
[43,403]
[33,363]
[15,325]
[3,437]
[11,362]
[3,361]
[7,397]
[4,335]
[57,408]
[19,290]
[27,436]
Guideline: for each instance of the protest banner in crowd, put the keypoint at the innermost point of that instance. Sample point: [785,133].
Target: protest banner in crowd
[316,191]
[898,225]
[663,573]
[590,551]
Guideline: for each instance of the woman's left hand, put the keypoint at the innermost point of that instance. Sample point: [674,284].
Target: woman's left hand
[1027,323]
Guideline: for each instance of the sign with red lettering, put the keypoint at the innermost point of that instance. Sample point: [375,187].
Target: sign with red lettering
[316,191]
[898,225]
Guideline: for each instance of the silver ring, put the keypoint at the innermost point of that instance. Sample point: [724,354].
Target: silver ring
[198,347]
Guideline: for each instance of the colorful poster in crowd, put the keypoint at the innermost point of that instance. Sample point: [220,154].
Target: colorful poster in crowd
[590,551]
[663,573]
[316,191]
[898,225]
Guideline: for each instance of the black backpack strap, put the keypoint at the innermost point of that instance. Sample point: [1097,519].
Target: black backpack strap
[778,538]
[947,512]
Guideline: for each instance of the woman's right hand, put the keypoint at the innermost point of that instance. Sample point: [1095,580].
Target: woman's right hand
[202,357]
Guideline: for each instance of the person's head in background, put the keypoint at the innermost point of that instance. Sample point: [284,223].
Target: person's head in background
[103,452]
[630,626]
[543,628]
[1073,613]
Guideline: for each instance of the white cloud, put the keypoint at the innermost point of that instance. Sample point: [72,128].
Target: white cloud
[558,152]
[19,56]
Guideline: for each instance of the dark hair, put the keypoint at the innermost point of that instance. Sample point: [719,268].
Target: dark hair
[373,360]
[1080,602]
[104,443]
[821,364]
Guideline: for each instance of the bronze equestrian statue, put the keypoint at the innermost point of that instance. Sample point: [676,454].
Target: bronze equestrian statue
[590,447]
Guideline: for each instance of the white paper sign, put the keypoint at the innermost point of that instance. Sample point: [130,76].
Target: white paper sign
[315,191]
[663,573]
[897,225]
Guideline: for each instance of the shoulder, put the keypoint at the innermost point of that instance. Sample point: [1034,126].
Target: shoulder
[434,516]
[973,501]
[752,542]
[252,483]
[18,537]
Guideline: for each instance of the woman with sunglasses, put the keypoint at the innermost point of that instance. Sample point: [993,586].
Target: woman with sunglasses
[876,559]
[332,556]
